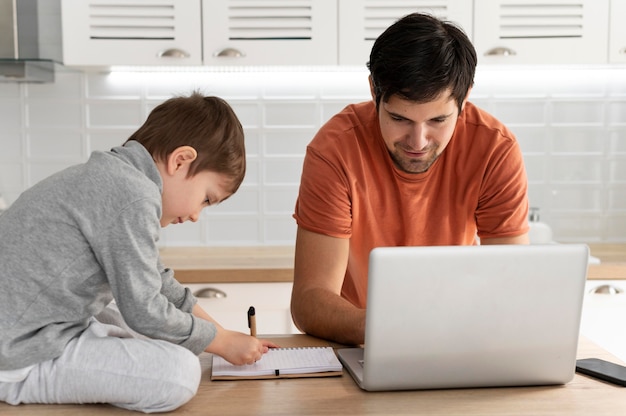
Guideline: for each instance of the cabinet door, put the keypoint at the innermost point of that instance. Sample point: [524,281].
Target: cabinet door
[269,32]
[617,34]
[228,304]
[141,32]
[541,32]
[361,21]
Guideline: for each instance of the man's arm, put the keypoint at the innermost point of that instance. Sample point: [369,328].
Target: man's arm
[520,239]
[317,307]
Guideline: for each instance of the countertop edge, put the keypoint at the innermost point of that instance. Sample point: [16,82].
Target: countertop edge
[275,263]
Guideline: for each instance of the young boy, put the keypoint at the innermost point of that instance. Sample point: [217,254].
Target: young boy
[87,236]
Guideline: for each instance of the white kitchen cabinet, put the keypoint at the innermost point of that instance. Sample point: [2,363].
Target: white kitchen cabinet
[331,32]
[141,32]
[228,303]
[604,312]
[541,32]
[269,32]
[362,21]
[617,32]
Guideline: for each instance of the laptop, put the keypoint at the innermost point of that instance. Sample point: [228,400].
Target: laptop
[470,316]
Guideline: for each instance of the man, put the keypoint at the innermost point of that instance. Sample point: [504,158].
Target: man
[417,166]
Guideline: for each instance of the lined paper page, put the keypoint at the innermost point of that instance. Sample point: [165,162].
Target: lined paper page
[280,361]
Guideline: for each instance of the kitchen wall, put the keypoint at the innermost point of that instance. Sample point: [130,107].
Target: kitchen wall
[571,124]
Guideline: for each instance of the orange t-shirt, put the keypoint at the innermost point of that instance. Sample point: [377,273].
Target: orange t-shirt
[350,188]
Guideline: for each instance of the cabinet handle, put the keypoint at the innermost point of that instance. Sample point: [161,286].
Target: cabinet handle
[500,51]
[173,53]
[229,53]
[623,51]
[209,292]
[606,289]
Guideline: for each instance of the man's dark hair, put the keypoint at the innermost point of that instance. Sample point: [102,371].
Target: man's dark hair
[419,57]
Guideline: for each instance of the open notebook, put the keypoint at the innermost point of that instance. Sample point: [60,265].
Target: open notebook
[282,362]
[470,316]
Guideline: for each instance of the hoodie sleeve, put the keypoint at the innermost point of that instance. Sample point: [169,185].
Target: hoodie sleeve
[151,301]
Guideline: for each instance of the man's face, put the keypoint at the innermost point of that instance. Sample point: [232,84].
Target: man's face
[417,133]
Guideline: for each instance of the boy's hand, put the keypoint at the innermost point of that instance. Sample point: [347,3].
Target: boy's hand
[238,348]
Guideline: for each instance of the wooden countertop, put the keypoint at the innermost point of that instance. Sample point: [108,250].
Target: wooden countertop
[341,396]
[230,264]
[275,263]
[612,261]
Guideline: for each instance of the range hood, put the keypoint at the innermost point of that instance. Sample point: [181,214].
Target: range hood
[30,40]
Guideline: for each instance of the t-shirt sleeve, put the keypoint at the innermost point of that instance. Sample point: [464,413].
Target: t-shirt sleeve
[503,205]
[323,205]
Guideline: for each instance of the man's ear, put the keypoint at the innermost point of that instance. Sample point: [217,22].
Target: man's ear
[466,98]
[180,158]
[369,78]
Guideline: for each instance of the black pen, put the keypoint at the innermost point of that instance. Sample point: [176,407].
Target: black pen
[252,321]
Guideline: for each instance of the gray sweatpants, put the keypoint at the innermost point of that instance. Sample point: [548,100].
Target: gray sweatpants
[110,363]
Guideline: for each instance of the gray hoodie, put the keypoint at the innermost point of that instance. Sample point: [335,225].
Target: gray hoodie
[79,239]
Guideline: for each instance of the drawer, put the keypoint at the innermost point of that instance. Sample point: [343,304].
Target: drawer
[228,304]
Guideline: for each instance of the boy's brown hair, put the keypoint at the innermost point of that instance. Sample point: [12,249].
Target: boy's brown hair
[208,124]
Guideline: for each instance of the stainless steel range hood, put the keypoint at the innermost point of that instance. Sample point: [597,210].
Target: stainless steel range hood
[30,40]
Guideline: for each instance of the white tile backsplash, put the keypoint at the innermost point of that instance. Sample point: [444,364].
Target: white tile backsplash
[280,229]
[53,113]
[575,169]
[583,112]
[617,113]
[536,168]
[64,144]
[12,144]
[114,113]
[10,90]
[103,87]
[583,140]
[296,114]
[617,141]
[290,142]
[243,230]
[574,198]
[104,139]
[570,122]
[526,112]
[40,170]
[66,85]
[617,170]
[617,202]
[10,115]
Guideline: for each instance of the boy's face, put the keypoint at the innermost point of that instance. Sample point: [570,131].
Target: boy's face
[185,197]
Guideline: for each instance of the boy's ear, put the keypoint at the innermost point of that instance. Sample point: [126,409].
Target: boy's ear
[180,158]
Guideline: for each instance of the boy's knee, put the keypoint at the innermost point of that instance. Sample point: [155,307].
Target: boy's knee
[179,383]
[185,378]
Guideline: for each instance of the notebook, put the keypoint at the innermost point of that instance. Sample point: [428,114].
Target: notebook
[470,316]
[281,363]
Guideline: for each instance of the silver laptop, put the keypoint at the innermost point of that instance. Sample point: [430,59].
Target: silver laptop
[470,316]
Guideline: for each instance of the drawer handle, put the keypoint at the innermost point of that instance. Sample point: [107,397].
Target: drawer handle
[209,292]
[606,290]
[229,53]
[500,51]
[173,53]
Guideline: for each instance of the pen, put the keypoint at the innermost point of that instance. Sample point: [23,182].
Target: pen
[252,321]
